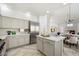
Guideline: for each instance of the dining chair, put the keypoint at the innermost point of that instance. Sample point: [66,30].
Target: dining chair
[73,41]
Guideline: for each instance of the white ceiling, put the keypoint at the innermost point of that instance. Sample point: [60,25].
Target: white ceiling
[35,8]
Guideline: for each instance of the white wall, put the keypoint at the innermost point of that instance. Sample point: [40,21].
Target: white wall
[75,11]
[78,27]
[62,15]
[44,24]
[4,31]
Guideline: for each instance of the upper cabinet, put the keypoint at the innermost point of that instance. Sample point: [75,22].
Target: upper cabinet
[26,23]
[8,22]
[23,24]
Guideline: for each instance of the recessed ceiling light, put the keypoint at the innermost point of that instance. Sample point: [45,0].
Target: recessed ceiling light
[64,3]
[28,15]
[70,25]
[4,8]
[48,11]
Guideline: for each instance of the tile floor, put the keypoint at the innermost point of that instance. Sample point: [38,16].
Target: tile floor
[31,50]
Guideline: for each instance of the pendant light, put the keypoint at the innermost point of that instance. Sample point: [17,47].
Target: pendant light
[69,23]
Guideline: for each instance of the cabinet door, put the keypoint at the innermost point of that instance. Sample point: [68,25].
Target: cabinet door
[25,24]
[12,42]
[51,51]
[21,24]
[40,44]
[21,40]
[6,22]
[15,23]
[48,48]
[26,39]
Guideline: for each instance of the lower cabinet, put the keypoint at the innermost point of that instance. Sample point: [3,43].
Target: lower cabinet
[50,47]
[39,44]
[17,40]
[12,42]
[27,39]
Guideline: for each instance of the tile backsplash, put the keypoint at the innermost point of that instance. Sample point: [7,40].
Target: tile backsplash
[4,31]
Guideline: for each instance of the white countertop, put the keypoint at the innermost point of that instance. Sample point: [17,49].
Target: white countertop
[53,38]
[18,34]
[3,37]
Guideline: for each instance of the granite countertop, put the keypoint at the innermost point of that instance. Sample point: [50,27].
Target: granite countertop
[53,38]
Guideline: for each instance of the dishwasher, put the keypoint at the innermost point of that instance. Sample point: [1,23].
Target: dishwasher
[33,37]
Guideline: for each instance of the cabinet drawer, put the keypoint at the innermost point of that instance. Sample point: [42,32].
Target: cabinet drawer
[49,41]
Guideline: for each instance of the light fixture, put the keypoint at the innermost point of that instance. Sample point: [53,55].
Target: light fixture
[64,3]
[28,14]
[47,11]
[4,8]
[69,23]
[21,30]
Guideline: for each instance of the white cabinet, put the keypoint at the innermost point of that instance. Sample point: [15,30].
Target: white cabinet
[50,47]
[15,23]
[23,24]
[8,22]
[12,41]
[26,39]
[17,40]
[26,24]
[21,40]
[39,44]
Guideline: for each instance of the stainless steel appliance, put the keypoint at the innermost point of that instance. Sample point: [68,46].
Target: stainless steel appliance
[34,30]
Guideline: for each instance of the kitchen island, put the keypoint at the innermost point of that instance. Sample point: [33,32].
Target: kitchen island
[50,46]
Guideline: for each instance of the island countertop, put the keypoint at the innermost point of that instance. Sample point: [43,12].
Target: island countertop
[53,38]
